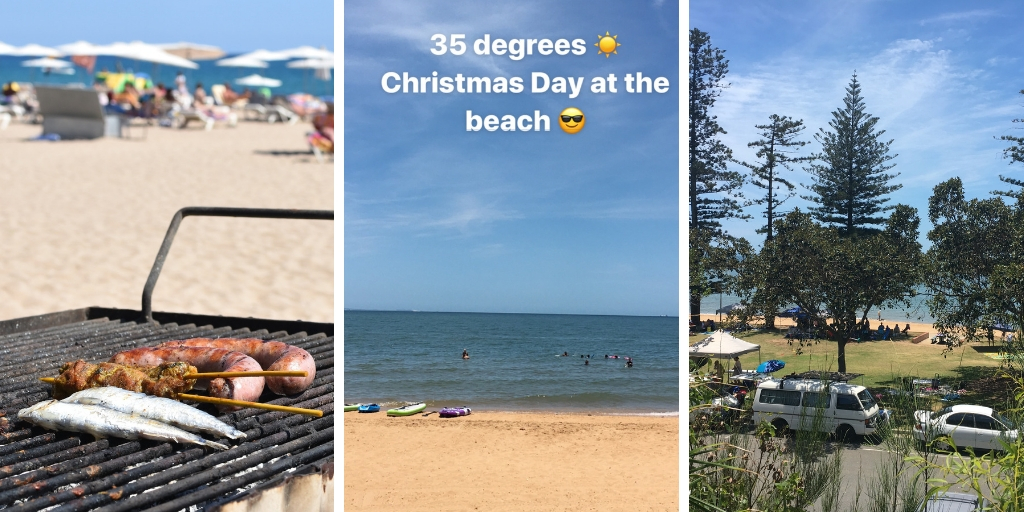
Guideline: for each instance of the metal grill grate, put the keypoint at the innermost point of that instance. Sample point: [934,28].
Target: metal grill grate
[41,469]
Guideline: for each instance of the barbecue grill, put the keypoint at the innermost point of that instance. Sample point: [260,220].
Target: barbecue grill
[286,462]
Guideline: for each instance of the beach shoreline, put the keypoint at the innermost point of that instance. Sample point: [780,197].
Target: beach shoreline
[511,461]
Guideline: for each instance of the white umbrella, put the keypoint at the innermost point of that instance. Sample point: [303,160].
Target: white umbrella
[192,51]
[80,48]
[312,64]
[308,52]
[258,81]
[47,62]
[265,55]
[141,51]
[34,50]
[6,49]
[242,62]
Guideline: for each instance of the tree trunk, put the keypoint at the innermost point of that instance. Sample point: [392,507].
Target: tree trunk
[769,321]
[695,308]
[842,352]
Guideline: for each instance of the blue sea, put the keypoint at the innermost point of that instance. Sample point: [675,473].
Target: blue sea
[293,80]
[393,357]
[917,312]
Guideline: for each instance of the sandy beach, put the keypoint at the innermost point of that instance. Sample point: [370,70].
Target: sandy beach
[81,222]
[920,327]
[511,461]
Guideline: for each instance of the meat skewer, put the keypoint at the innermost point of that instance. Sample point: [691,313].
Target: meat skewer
[165,380]
[204,359]
[103,422]
[271,355]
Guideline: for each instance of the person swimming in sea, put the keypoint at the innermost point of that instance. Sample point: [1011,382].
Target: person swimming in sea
[565,354]
[465,354]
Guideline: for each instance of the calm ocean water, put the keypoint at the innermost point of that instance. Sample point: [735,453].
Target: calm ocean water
[395,357]
[917,312]
[293,80]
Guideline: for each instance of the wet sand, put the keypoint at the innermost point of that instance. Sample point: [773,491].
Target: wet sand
[498,461]
[81,222]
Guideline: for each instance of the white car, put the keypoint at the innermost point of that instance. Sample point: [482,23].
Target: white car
[969,426]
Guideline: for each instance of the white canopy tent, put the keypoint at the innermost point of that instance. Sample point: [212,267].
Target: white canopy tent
[722,345]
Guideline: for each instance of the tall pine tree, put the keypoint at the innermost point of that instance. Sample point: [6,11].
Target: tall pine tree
[851,182]
[775,152]
[713,188]
[1015,153]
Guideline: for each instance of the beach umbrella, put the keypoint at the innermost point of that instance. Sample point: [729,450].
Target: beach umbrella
[730,308]
[35,50]
[47,62]
[79,48]
[789,313]
[1001,326]
[771,366]
[308,52]
[312,64]
[258,81]
[265,55]
[192,51]
[242,62]
[6,49]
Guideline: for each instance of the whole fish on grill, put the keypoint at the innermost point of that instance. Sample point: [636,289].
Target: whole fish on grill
[102,422]
[166,380]
[156,408]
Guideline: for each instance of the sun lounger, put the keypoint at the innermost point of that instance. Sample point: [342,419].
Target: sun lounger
[71,113]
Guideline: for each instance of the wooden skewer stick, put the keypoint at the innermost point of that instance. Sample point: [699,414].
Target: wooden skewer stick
[215,375]
[237,403]
[256,405]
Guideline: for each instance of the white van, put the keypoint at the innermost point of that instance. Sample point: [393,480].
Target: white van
[796,403]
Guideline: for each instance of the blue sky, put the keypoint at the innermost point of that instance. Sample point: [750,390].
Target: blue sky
[942,76]
[438,218]
[234,26]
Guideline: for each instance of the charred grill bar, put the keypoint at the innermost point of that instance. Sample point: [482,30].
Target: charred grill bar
[41,469]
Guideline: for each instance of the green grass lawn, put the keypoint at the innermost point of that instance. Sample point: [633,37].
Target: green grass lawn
[879,361]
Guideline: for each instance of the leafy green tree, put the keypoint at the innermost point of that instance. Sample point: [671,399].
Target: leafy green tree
[822,271]
[974,266]
[775,152]
[851,180]
[714,190]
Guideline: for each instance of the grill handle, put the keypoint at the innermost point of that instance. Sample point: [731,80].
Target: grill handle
[215,211]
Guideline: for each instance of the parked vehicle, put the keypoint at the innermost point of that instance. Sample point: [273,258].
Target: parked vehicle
[800,404]
[969,426]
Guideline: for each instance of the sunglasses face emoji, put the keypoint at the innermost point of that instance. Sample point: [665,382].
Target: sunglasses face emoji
[571,120]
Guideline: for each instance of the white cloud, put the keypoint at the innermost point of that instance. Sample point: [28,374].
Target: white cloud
[954,17]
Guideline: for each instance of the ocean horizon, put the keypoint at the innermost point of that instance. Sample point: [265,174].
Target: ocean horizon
[515,364]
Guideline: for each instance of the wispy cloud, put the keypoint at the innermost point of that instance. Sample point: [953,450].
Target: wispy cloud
[953,17]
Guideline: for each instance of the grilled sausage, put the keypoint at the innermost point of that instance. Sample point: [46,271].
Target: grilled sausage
[271,355]
[205,360]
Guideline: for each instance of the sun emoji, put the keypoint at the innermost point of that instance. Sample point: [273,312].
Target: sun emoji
[607,44]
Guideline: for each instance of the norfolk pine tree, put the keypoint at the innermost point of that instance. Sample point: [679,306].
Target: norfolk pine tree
[778,142]
[850,182]
[713,188]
